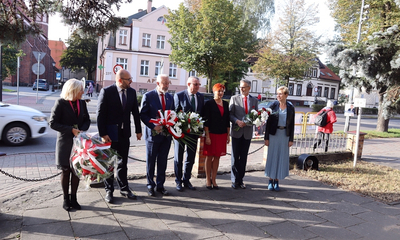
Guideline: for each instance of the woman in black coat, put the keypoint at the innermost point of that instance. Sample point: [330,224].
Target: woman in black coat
[69,116]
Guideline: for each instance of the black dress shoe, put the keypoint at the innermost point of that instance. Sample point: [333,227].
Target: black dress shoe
[150,191]
[189,185]
[215,187]
[209,187]
[163,191]
[242,186]
[109,197]
[234,186]
[179,187]
[128,194]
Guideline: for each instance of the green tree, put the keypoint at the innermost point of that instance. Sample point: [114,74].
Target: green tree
[231,79]
[290,50]
[9,59]
[378,16]
[211,39]
[373,64]
[81,53]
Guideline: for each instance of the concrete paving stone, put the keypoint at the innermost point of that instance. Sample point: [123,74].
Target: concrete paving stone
[92,206]
[301,218]
[145,228]
[260,217]
[238,205]
[218,216]
[10,225]
[329,230]
[132,212]
[382,208]
[220,237]
[200,203]
[120,235]
[288,230]
[242,230]
[90,226]
[159,201]
[340,218]
[299,181]
[323,195]
[379,219]
[348,207]
[312,206]
[48,231]
[44,215]
[372,230]
[198,230]
[165,236]
[176,215]
[275,206]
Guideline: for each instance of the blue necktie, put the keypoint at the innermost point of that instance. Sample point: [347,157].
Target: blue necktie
[123,99]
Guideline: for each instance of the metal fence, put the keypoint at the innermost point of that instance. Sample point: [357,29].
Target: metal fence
[304,143]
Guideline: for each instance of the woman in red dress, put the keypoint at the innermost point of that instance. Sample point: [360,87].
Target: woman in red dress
[217,128]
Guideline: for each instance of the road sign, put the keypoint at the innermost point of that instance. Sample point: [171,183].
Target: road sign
[58,76]
[316,89]
[116,68]
[39,55]
[35,68]
[360,102]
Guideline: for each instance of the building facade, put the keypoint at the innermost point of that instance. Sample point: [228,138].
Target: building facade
[142,48]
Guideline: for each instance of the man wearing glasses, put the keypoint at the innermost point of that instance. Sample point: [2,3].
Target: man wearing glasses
[115,105]
[239,106]
[189,100]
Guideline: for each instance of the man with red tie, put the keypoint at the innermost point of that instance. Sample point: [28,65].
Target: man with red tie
[157,146]
[239,106]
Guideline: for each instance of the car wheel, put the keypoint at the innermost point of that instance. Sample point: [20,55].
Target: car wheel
[15,134]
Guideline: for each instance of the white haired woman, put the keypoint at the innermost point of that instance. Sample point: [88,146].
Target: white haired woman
[69,116]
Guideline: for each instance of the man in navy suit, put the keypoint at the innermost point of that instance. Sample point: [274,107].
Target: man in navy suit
[189,100]
[157,146]
[115,105]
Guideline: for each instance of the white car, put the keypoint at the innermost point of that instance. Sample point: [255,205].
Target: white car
[20,123]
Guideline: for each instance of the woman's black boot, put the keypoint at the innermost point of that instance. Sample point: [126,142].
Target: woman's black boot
[74,203]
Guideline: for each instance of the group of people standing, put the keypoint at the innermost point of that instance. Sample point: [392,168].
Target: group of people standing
[116,103]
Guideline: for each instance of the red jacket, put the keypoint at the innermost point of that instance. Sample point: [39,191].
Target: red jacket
[331,120]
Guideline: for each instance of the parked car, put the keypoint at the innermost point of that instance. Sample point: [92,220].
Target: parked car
[265,104]
[43,85]
[208,96]
[19,123]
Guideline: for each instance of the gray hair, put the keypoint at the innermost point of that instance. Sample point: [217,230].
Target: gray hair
[329,104]
[161,76]
[246,81]
[191,78]
[71,89]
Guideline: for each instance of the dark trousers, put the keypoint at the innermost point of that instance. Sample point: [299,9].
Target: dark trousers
[178,159]
[240,150]
[122,147]
[157,151]
[322,137]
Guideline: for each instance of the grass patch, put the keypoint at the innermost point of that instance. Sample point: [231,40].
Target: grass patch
[392,133]
[7,90]
[379,182]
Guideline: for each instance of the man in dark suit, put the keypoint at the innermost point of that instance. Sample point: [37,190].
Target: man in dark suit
[239,106]
[115,105]
[157,146]
[189,100]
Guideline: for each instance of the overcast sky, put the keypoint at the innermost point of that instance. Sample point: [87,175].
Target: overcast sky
[57,30]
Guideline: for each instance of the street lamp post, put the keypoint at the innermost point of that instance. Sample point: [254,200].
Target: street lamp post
[54,65]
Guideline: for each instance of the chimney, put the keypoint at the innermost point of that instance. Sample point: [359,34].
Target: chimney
[149,3]
[140,10]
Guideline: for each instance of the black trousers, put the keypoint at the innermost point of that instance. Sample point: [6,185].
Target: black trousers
[122,147]
[322,137]
[240,151]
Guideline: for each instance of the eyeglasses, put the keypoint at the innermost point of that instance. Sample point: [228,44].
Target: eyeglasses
[243,87]
[127,79]
[196,84]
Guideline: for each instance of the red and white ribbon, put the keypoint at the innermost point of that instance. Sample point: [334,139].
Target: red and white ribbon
[168,120]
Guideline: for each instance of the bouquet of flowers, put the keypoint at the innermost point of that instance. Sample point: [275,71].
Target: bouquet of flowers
[256,117]
[92,159]
[168,121]
[190,122]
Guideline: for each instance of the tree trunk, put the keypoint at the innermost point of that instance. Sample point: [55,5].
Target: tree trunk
[382,124]
[209,81]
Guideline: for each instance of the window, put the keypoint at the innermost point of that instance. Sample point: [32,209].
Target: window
[146,40]
[161,19]
[193,73]
[123,62]
[144,68]
[291,86]
[142,90]
[299,88]
[254,86]
[314,72]
[309,89]
[160,42]
[158,69]
[326,90]
[319,91]
[172,70]
[123,34]
[333,93]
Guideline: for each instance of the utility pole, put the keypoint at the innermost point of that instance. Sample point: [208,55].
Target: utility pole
[1,77]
